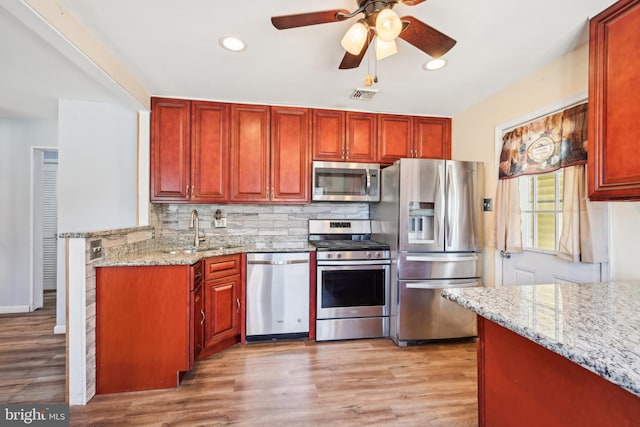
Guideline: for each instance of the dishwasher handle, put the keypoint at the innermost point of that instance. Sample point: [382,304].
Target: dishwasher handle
[279,262]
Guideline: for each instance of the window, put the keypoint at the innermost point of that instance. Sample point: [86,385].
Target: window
[541,205]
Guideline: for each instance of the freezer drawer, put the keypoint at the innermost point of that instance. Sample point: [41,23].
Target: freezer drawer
[438,265]
[277,295]
[424,315]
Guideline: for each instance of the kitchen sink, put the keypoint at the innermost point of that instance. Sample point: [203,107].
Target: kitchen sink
[199,249]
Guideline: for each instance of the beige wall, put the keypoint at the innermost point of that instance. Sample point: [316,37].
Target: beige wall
[474,139]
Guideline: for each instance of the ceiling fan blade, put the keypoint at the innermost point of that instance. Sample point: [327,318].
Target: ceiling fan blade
[353,61]
[411,2]
[311,18]
[426,38]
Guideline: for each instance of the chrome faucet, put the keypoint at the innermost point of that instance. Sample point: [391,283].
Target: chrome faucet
[195,223]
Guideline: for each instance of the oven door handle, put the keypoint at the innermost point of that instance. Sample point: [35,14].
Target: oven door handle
[283,262]
[354,263]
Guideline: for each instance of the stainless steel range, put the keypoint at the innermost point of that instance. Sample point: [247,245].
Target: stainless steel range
[353,274]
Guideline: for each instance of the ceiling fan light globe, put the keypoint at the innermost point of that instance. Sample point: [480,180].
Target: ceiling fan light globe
[384,49]
[388,25]
[355,38]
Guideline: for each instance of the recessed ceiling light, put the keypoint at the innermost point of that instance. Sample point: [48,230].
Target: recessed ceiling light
[435,64]
[232,44]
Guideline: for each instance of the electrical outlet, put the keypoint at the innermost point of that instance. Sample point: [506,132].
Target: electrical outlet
[95,249]
[487,205]
[220,223]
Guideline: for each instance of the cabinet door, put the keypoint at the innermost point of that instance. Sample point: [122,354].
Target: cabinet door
[138,310]
[328,135]
[222,309]
[432,138]
[170,149]
[614,103]
[249,174]
[209,152]
[395,138]
[290,165]
[361,143]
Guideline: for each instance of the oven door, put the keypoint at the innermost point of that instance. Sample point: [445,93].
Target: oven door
[352,289]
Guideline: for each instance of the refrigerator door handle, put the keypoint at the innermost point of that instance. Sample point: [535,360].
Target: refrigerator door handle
[427,258]
[440,192]
[449,223]
[440,285]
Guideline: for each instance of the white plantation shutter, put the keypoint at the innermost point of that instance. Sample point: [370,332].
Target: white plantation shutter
[49,225]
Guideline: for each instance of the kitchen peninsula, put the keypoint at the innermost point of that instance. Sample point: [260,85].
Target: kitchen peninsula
[565,354]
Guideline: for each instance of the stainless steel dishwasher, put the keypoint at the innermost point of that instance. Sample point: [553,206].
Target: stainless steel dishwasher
[277,296]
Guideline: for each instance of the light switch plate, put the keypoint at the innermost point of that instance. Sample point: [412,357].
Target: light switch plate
[220,223]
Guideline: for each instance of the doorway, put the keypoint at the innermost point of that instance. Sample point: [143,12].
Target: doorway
[541,207]
[45,224]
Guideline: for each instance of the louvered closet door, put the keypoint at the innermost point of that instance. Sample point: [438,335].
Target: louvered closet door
[48,184]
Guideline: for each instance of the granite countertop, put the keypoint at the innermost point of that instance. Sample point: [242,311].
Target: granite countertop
[161,256]
[595,325]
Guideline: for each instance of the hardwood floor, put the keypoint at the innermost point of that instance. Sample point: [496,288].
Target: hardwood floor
[349,383]
[32,364]
[297,383]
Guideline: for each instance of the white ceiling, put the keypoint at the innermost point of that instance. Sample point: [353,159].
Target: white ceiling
[171,47]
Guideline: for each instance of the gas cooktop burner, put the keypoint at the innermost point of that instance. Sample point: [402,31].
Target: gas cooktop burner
[349,245]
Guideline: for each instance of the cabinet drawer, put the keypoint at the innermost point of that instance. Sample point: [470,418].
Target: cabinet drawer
[221,266]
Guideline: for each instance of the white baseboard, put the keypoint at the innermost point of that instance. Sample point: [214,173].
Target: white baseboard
[14,309]
[60,329]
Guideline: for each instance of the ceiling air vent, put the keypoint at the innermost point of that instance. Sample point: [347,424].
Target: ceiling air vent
[363,94]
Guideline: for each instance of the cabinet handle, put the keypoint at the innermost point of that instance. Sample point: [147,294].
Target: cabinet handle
[238,302]
[192,188]
[202,313]
[186,190]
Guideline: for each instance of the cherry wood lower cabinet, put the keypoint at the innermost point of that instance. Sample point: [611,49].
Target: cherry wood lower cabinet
[223,303]
[143,327]
[153,322]
[521,383]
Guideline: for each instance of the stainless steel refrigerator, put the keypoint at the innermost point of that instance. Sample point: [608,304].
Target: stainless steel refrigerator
[430,213]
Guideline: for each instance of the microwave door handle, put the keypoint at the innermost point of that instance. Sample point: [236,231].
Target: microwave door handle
[368,174]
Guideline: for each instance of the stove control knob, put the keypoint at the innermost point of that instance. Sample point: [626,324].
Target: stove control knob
[369,254]
[329,255]
[338,255]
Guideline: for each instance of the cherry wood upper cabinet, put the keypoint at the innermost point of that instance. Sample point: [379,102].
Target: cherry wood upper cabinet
[170,149]
[361,137]
[328,135]
[395,138]
[189,151]
[432,138]
[209,151]
[290,154]
[614,103]
[249,173]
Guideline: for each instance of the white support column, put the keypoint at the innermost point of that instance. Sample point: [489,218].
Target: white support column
[77,320]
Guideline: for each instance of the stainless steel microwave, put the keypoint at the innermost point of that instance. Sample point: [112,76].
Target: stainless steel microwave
[346,182]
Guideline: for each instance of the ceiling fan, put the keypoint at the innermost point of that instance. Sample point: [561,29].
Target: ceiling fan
[379,21]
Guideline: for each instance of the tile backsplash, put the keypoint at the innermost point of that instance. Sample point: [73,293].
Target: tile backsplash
[278,226]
